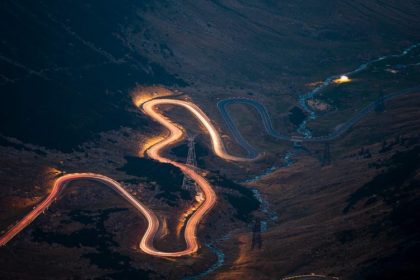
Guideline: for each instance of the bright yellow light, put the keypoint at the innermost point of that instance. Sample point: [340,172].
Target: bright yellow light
[53,170]
[140,99]
[200,197]
[342,79]
[149,143]
[143,94]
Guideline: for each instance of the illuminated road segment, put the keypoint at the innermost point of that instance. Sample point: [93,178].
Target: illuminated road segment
[154,152]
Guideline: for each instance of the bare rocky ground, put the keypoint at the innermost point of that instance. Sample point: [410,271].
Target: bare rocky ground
[353,219]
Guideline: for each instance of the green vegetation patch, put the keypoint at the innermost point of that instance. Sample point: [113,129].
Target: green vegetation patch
[296,116]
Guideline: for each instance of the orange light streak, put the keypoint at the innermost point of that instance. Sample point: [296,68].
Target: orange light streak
[208,198]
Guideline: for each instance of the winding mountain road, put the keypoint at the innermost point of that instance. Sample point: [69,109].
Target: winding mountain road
[175,134]
[224,104]
[154,152]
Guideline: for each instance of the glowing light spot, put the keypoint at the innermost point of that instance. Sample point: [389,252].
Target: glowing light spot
[143,94]
[53,171]
[342,79]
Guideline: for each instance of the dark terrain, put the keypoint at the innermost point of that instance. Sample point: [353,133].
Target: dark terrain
[67,72]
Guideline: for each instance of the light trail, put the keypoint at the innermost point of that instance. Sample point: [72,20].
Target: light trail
[59,185]
[154,152]
[175,134]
